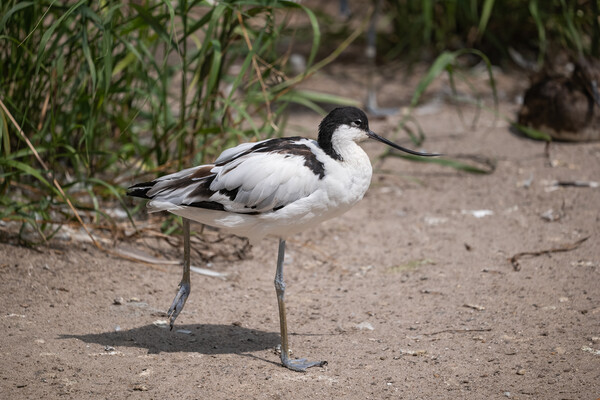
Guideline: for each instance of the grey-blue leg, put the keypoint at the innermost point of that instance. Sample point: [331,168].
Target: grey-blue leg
[295,364]
[184,285]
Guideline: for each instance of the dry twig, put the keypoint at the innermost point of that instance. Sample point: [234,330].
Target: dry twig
[458,331]
[514,260]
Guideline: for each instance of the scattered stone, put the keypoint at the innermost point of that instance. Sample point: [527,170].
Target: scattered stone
[365,325]
[429,220]
[140,387]
[582,263]
[550,215]
[117,328]
[595,339]
[588,349]
[184,331]
[134,300]
[478,213]
[118,301]
[414,353]
[474,307]
[492,271]
[521,371]
[109,348]
[161,323]
[363,270]
[526,183]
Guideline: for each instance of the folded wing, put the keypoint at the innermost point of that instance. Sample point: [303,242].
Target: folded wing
[248,179]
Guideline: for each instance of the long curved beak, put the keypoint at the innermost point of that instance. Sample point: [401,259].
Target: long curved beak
[375,136]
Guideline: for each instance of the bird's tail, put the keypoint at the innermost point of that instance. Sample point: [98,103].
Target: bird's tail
[140,189]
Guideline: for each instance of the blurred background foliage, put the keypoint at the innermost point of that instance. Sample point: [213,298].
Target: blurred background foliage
[423,29]
[94,93]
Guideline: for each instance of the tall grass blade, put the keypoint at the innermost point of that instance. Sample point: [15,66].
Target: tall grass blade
[486,13]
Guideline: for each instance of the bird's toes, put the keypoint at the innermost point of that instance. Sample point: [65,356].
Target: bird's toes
[301,364]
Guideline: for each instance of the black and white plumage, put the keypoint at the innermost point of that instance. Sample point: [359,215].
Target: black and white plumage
[275,187]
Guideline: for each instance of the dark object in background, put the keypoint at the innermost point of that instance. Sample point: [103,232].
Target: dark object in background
[565,106]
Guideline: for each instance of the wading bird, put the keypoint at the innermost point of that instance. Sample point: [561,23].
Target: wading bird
[275,187]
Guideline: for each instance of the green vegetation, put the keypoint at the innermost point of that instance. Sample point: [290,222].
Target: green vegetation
[424,27]
[95,92]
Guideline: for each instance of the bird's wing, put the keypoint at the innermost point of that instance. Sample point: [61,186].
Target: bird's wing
[246,179]
[231,153]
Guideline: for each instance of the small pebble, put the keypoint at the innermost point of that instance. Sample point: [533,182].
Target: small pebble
[118,301]
[588,349]
[521,371]
[140,388]
[365,325]
[161,323]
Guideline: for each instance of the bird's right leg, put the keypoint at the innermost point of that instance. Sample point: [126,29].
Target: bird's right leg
[184,285]
[300,364]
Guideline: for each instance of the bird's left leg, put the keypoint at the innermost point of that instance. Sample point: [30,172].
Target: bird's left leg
[297,364]
[184,285]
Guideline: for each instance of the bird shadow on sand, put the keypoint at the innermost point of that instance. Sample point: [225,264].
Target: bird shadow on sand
[199,338]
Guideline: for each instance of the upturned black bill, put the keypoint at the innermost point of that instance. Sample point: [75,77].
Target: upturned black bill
[375,136]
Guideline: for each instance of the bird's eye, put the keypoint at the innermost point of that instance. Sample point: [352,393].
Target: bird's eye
[357,122]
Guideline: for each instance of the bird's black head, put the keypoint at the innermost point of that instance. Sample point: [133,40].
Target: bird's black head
[350,116]
[346,124]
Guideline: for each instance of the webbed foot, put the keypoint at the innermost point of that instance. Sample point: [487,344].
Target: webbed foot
[300,364]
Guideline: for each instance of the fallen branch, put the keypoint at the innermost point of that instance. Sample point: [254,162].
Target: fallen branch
[514,260]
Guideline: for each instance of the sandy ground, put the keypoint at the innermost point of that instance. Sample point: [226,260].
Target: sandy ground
[410,295]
